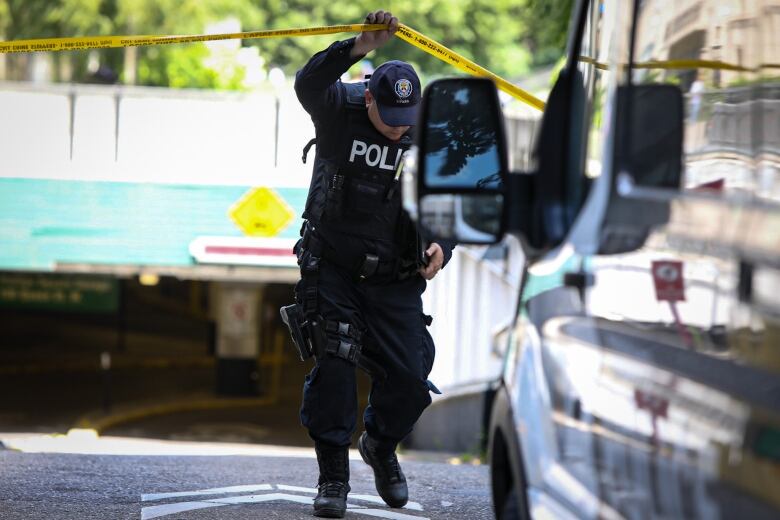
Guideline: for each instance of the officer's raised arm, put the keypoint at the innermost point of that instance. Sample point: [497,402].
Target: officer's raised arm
[369,40]
[315,83]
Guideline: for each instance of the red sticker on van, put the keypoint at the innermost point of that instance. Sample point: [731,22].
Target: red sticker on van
[668,280]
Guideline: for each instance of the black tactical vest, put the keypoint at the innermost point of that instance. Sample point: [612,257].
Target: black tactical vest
[352,188]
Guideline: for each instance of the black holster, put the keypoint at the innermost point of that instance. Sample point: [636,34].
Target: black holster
[313,335]
[292,316]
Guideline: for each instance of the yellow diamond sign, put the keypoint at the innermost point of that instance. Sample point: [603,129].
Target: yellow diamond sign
[261,212]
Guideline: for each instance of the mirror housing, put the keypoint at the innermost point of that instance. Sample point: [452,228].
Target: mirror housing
[648,164]
[649,139]
[454,180]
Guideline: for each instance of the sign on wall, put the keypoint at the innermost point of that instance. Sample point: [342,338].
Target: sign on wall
[261,212]
[51,292]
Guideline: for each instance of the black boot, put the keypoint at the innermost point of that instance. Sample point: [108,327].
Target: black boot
[333,485]
[388,477]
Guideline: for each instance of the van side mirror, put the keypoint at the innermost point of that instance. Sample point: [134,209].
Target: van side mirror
[648,164]
[649,136]
[455,186]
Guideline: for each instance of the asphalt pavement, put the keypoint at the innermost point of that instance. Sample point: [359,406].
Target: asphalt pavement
[255,486]
[228,461]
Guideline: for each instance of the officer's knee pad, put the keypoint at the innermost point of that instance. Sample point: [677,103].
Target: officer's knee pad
[339,339]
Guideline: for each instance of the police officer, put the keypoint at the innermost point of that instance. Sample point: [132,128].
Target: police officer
[362,271]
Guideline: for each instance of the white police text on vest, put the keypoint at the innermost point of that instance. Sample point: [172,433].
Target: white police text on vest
[373,155]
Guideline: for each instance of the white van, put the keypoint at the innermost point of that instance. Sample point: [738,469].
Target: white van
[642,374]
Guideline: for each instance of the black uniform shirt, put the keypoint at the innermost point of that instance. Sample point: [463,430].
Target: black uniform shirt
[323,96]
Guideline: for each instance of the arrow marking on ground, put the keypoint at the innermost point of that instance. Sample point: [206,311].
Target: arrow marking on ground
[211,491]
[150,512]
[414,506]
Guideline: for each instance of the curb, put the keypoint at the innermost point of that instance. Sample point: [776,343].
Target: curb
[94,365]
[99,422]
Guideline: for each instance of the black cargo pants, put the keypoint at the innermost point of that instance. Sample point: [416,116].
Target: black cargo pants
[390,314]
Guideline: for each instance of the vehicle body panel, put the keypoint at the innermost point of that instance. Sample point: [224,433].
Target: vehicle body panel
[652,388]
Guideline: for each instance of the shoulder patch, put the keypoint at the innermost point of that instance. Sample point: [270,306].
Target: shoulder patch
[355,94]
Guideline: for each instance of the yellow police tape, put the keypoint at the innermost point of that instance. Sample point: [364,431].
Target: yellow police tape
[404,32]
[438,50]
[690,64]
[682,64]
[105,42]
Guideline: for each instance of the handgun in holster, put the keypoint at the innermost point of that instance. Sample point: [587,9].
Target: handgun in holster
[292,316]
[421,252]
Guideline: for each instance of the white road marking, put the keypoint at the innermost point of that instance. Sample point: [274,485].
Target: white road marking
[157,511]
[212,491]
[285,487]
[384,513]
[254,499]
[444,503]
[414,506]
[147,513]
[171,509]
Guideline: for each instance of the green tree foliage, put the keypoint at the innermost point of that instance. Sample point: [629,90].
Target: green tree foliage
[181,65]
[21,19]
[508,37]
[485,31]
[43,18]
[548,25]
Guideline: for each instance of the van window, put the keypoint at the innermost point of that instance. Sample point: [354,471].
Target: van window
[723,56]
[593,77]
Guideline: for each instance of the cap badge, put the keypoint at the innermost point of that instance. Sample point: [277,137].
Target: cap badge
[403,88]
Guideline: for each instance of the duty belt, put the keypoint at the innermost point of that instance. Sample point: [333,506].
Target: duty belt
[324,337]
[368,266]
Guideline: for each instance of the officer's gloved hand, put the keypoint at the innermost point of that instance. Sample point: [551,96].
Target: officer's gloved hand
[435,261]
[367,41]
